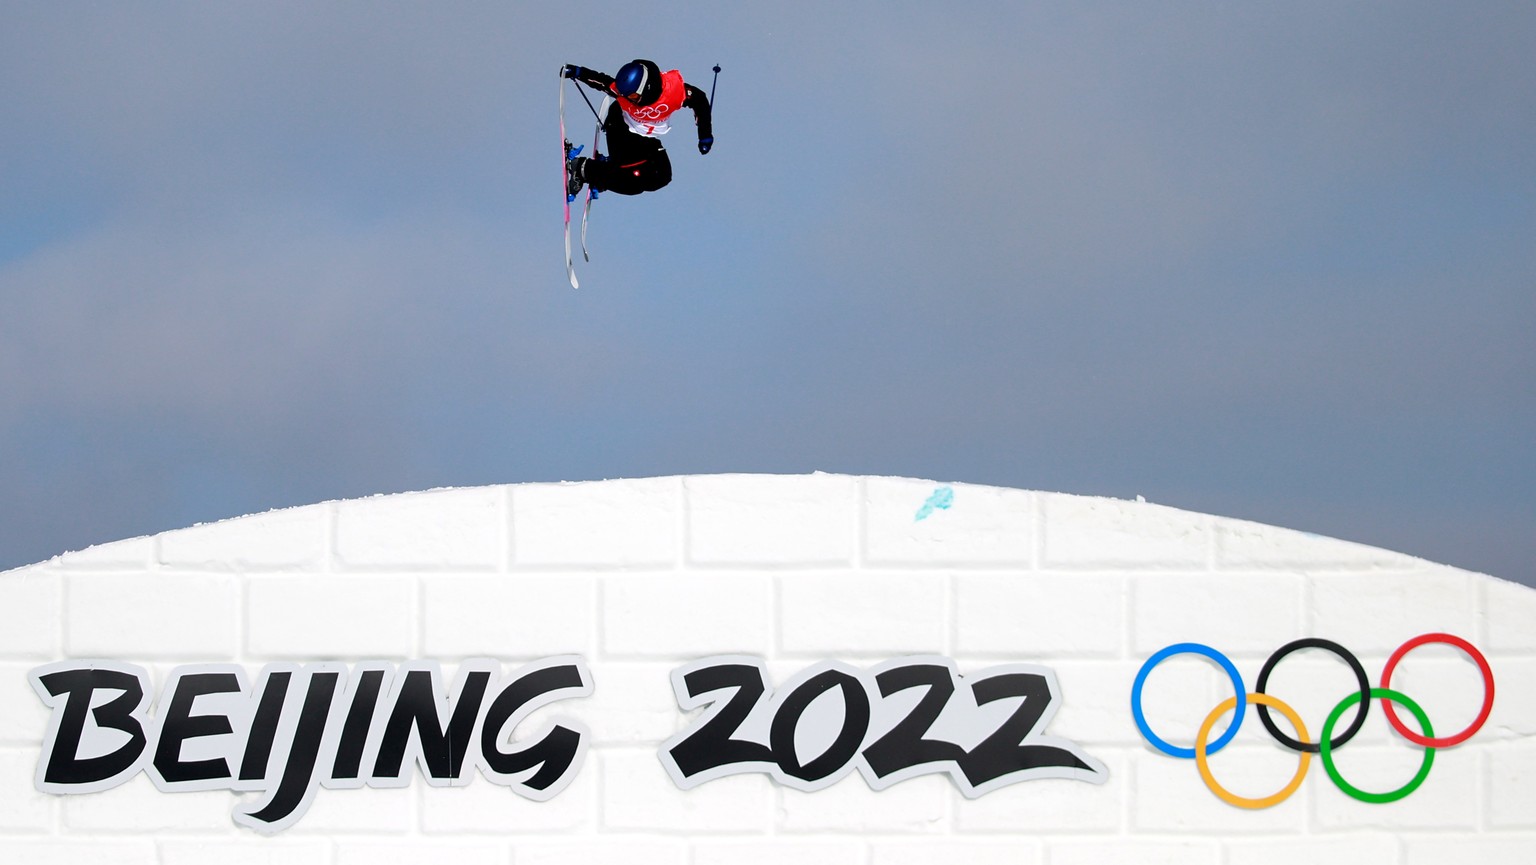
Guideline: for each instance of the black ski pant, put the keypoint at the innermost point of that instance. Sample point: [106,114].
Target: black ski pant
[635,163]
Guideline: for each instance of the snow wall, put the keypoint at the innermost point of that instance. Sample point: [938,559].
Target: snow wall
[754,669]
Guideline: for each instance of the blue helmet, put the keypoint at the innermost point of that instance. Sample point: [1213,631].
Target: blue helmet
[640,79]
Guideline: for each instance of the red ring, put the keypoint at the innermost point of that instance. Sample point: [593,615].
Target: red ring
[1443,741]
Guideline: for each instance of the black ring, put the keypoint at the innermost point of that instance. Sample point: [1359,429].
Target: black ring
[1354,664]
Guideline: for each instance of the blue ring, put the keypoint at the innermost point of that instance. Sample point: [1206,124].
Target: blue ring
[1193,649]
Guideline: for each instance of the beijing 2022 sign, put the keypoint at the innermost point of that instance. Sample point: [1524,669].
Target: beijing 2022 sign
[297,728]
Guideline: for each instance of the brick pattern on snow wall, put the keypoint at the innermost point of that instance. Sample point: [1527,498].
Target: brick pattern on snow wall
[641,576]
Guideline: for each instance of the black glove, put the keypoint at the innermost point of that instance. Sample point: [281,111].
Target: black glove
[570,71]
[705,144]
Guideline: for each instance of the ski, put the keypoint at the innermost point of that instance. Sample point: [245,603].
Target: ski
[565,184]
[586,210]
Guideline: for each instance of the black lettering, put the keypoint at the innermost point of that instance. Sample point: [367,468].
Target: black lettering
[1005,752]
[64,764]
[290,751]
[711,744]
[781,736]
[725,740]
[415,708]
[354,733]
[178,724]
[906,745]
[556,752]
[258,747]
[297,783]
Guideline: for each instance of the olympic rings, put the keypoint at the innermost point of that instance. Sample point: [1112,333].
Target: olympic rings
[1181,649]
[1264,701]
[1354,666]
[1327,742]
[1427,739]
[1386,696]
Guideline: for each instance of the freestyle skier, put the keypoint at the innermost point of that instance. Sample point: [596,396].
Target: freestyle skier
[638,109]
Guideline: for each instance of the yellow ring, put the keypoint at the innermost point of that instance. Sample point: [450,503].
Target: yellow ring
[1226,706]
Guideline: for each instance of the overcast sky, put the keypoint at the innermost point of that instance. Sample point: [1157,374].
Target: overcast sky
[1274,261]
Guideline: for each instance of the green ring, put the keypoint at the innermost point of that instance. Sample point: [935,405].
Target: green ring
[1326,751]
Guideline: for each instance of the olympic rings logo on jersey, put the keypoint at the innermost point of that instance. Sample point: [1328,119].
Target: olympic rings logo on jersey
[1326,742]
[651,112]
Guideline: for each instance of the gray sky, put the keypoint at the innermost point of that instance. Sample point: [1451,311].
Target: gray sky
[1272,261]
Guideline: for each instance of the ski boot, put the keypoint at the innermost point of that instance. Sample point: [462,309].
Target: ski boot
[573,166]
[592,190]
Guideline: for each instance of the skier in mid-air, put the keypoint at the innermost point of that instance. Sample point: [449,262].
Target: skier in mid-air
[645,98]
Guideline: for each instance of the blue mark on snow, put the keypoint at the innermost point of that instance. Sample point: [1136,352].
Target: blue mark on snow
[941,500]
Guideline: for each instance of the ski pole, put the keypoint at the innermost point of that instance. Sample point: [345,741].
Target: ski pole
[589,104]
[712,86]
